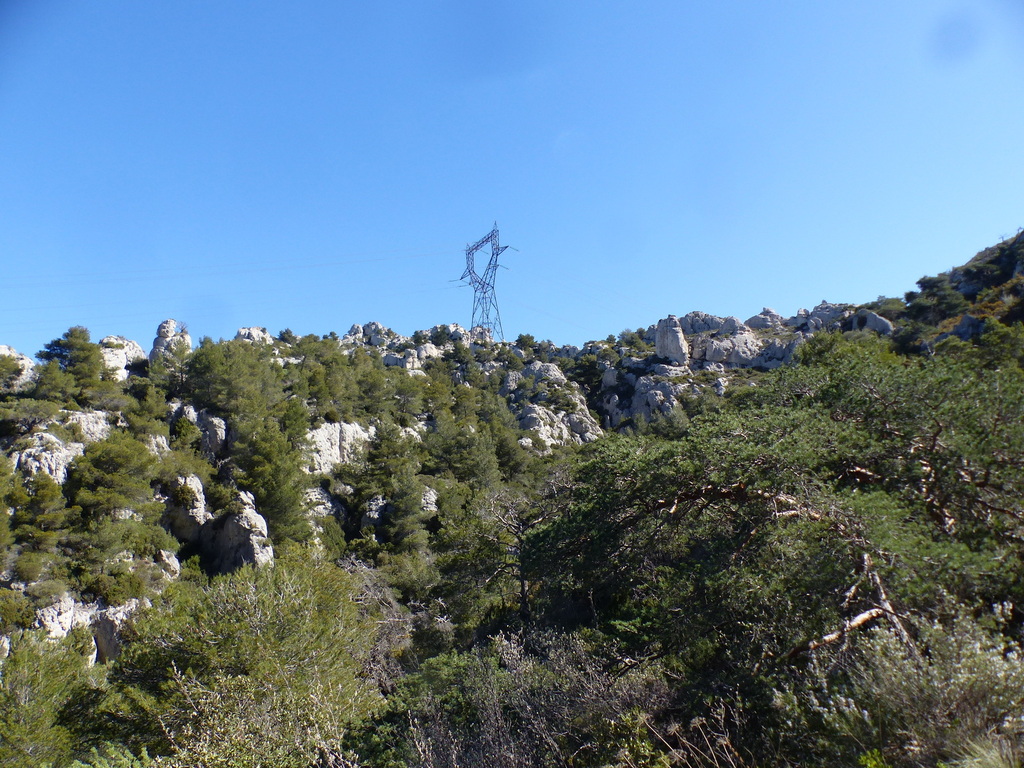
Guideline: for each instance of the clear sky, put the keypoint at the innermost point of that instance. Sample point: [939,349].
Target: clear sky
[314,163]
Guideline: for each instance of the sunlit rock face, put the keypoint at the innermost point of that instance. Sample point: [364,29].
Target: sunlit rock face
[170,335]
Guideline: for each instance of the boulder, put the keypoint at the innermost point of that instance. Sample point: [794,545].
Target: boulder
[870,321]
[670,341]
[777,352]
[236,538]
[213,429]
[532,374]
[738,351]
[732,326]
[119,354]
[169,562]
[765,319]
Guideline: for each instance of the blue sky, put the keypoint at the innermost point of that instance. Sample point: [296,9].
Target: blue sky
[316,163]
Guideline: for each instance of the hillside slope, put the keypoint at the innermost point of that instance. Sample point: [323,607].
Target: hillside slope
[779,541]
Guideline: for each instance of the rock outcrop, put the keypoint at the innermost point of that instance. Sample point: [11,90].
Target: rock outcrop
[43,452]
[26,369]
[186,511]
[107,626]
[254,335]
[236,538]
[170,335]
[545,401]
[869,321]
[120,354]
[670,341]
[62,616]
[334,443]
[214,433]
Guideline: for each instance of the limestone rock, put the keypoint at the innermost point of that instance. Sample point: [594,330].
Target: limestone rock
[186,511]
[765,319]
[158,445]
[107,625]
[554,428]
[430,497]
[531,374]
[64,615]
[254,335]
[170,335]
[440,334]
[320,503]
[213,429]
[777,352]
[824,316]
[26,365]
[93,425]
[374,511]
[43,452]
[867,320]
[215,433]
[670,342]
[236,538]
[335,443]
[737,351]
[428,351]
[119,354]
[732,326]
[693,323]
[169,562]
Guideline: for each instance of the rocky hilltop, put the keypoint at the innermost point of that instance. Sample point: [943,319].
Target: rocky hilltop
[212,452]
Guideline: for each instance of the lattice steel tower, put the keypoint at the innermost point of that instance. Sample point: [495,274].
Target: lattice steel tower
[485,305]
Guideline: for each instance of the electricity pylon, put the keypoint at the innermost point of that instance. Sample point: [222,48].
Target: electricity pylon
[485,304]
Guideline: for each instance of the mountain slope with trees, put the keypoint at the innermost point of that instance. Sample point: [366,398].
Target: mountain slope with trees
[785,541]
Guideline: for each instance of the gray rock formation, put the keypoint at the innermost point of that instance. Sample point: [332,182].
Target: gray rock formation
[777,352]
[107,626]
[92,425]
[334,443]
[26,366]
[738,350]
[236,538]
[170,335]
[119,354]
[320,503]
[254,335]
[186,511]
[169,563]
[869,321]
[699,322]
[765,319]
[64,615]
[825,316]
[968,328]
[43,452]
[213,429]
[670,342]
